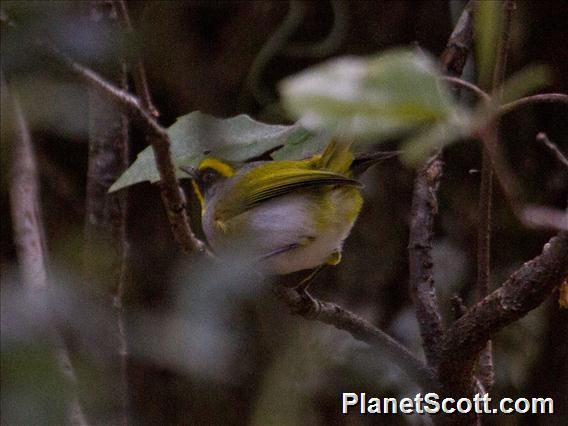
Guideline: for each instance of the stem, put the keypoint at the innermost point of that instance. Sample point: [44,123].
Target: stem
[491,137]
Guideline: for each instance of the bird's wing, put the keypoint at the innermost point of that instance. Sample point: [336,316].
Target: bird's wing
[255,189]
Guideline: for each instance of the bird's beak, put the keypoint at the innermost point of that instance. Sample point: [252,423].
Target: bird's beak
[190,171]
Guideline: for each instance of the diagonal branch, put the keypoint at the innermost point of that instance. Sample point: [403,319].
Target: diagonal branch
[542,137]
[525,290]
[172,195]
[459,44]
[360,329]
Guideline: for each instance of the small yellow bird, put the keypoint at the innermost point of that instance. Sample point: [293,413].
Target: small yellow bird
[286,216]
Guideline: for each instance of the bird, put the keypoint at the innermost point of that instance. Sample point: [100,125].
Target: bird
[283,215]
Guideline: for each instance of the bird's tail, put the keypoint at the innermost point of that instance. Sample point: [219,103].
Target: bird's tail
[365,160]
[337,156]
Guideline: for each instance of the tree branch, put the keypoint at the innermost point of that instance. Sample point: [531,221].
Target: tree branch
[525,290]
[105,251]
[29,232]
[459,44]
[534,99]
[424,208]
[138,70]
[172,195]
[542,137]
[360,329]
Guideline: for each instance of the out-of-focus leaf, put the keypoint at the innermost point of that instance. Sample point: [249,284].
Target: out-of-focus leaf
[368,98]
[417,148]
[195,135]
[526,81]
[487,25]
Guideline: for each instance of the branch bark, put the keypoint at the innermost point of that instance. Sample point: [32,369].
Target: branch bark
[135,61]
[360,329]
[172,195]
[105,251]
[424,208]
[459,44]
[525,290]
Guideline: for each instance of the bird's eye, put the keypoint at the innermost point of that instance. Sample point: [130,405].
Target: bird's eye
[209,176]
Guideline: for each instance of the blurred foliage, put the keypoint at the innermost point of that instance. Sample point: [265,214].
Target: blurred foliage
[209,344]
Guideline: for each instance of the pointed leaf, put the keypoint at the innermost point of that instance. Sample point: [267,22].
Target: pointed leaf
[195,135]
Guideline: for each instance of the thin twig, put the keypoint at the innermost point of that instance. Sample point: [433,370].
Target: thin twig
[542,137]
[513,105]
[490,146]
[172,195]
[29,232]
[534,99]
[459,44]
[424,208]
[456,81]
[138,70]
[360,329]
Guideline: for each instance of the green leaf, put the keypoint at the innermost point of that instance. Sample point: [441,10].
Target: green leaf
[418,148]
[368,98]
[303,146]
[195,135]
[487,26]
[525,81]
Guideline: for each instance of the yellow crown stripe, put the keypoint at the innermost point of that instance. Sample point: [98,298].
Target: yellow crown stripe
[222,168]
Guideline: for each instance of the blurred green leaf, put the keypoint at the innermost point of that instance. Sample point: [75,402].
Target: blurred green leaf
[419,147]
[197,135]
[369,98]
[487,26]
[525,81]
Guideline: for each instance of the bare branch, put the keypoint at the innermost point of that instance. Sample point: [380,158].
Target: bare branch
[360,329]
[459,44]
[544,217]
[172,195]
[525,290]
[424,208]
[138,70]
[28,229]
[542,137]
[543,98]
